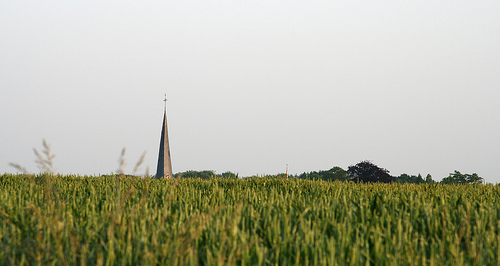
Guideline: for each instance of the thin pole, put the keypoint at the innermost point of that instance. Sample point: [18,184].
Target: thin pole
[165,101]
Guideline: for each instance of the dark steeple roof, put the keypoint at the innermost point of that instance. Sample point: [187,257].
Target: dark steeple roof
[164,168]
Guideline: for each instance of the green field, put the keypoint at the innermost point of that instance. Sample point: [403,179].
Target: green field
[108,220]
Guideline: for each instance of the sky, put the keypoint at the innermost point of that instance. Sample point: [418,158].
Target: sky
[413,86]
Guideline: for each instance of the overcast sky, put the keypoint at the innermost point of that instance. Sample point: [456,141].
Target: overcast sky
[413,86]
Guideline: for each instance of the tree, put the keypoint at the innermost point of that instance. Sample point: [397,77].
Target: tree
[336,173]
[428,179]
[229,175]
[368,172]
[206,174]
[412,179]
[459,178]
[310,176]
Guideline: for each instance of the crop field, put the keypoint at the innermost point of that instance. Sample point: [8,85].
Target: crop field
[73,220]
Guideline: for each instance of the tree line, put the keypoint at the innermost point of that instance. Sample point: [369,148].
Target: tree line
[362,172]
[367,172]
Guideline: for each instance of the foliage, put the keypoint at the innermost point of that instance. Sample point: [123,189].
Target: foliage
[229,175]
[334,174]
[118,220]
[367,172]
[282,175]
[459,178]
[206,174]
[412,179]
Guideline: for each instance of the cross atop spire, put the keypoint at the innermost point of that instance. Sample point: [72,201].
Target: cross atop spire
[165,101]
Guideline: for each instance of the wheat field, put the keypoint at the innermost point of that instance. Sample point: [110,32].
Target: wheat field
[109,220]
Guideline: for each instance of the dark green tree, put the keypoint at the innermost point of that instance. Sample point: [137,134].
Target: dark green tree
[459,178]
[206,174]
[229,175]
[412,179]
[339,173]
[368,172]
[311,176]
[336,173]
[404,178]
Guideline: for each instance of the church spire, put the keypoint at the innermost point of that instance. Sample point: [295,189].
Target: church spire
[164,168]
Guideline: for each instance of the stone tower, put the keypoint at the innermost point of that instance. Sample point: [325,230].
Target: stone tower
[164,168]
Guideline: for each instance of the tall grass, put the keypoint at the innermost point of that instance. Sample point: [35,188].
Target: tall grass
[47,219]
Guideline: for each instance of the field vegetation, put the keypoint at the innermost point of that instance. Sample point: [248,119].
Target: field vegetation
[116,219]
